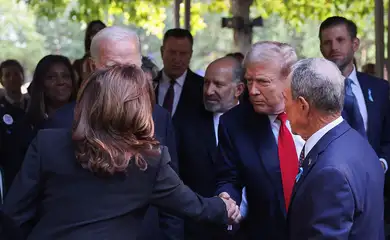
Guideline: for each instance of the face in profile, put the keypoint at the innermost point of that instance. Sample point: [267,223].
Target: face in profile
[338,46]
[176,54]
[58,83]
[12,78]
[265,86]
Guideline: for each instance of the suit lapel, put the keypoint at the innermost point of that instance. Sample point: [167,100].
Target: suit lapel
[265,145]
[367,93]
[312,157]
[185,96]
[156,83]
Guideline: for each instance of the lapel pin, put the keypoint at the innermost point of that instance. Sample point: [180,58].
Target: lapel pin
[299,174]
[309,163]
[370,95]
[7,119]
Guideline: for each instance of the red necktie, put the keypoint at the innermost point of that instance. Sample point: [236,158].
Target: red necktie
[288,158]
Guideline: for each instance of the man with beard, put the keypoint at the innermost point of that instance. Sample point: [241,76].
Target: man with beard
[366,105]
[197,136]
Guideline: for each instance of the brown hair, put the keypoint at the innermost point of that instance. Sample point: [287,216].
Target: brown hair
[113,120]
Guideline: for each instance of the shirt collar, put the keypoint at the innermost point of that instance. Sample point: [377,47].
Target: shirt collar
[180,80]
[353,76]
[272,118]
[312,141]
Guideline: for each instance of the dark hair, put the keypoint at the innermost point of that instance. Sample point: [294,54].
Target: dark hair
[10,63]
[113,123]
[178,33]
[237,55]
[88,32]
[149,66]
[335,21]
[36,111]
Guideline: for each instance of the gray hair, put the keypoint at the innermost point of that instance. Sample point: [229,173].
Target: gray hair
[149,66]
[266,51]
[319,82]
[114,34]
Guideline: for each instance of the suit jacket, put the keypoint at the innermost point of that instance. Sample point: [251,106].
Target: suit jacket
[171,226]
[376,95]
[191,98]
[196,146]
[340,193]
[247,155]
[53,197]
[10,119]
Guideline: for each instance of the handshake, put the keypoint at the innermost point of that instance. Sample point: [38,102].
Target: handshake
[233,210]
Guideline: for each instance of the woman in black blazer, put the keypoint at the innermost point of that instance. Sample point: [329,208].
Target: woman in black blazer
[97,181]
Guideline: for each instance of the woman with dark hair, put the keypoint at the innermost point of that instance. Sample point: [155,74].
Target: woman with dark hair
[53,85]
[97,181]
[92,29]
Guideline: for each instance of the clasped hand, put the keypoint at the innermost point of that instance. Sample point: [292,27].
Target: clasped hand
[233,210]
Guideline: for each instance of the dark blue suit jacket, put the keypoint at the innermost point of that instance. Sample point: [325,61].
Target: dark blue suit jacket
[171,226]
[376,95]
[340,193]
[247,155]
[196,147]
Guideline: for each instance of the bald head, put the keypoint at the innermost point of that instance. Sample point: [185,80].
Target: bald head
[223,84]
[116,45]
[320,83]
[228,64]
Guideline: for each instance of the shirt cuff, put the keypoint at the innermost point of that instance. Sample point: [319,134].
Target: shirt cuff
[244,204]
[384,162]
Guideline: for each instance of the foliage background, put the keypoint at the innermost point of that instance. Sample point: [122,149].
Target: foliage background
[34,28]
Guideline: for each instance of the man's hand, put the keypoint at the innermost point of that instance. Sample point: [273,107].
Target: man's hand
[233,210]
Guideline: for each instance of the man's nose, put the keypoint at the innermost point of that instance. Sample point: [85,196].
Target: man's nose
[252,89]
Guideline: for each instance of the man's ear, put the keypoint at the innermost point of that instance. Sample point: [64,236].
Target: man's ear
[239,89]
[355,44]
[304,105]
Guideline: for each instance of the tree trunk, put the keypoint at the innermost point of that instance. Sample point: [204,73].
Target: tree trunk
[242,37]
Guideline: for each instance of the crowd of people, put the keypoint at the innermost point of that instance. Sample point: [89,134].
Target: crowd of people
[264,146]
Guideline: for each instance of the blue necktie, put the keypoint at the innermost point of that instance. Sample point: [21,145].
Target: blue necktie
[351,112]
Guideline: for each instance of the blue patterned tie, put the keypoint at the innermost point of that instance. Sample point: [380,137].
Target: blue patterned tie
[351,112]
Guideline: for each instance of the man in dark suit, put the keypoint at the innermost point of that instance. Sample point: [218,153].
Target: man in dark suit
[339,189]
[369,114]
[124,48]
[197,144]
[179,90]
[256,148]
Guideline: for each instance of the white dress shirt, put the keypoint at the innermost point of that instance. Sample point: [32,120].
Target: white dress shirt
[164,84]
[358,92]
[313,140]
[216,118]
[298,141]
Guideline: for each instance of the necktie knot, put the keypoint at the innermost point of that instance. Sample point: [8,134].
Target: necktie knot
[282,117]
[348,86]
[172,82]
